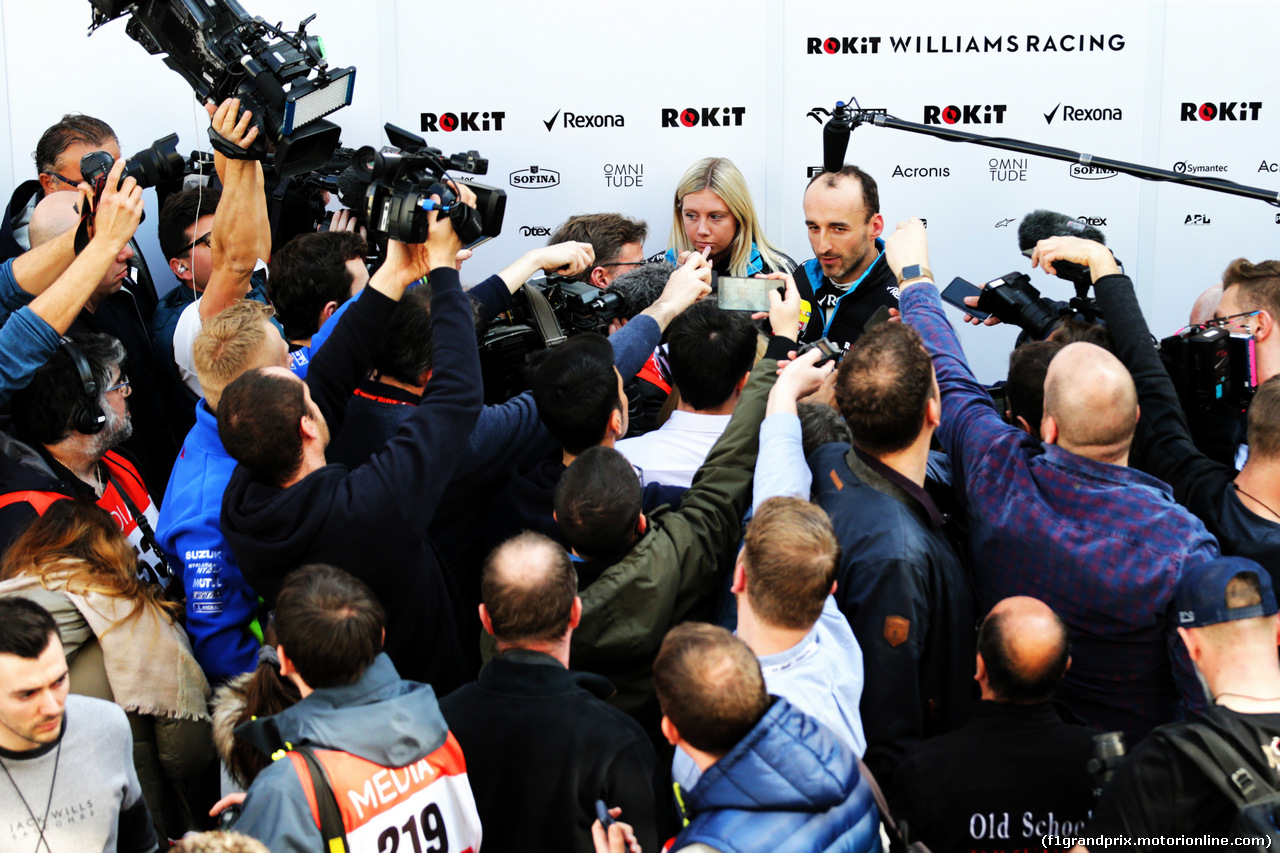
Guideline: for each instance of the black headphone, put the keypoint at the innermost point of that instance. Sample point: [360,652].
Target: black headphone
[88,418]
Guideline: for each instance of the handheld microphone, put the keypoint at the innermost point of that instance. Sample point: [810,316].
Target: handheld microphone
[1041,224]
[641,287]
[835,138]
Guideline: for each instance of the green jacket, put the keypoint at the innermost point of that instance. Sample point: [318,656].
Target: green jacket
[679,562]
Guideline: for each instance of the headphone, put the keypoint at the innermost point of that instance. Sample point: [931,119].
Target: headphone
[181,268]
[88,418]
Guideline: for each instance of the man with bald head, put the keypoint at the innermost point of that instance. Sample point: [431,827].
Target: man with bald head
[529,710]
[1015,771]
[115,310]
[1064,519]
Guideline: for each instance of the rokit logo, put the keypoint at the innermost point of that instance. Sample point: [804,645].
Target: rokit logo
[704,116]
[1221,111]
[965,114]
[843,44]
[1070,113]
[1182,167]
[450,122]
[1090,173]
[821,114]
[577,120]
[624,174]
[534,178]
[1011,170]
[1196,219]
[1092,220]
[921,172]
[534,231]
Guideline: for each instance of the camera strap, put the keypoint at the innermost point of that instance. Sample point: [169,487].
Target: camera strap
[544,317]
[231,151]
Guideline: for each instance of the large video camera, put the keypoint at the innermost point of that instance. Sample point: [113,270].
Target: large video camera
[222,52]
[402,180]
[1213,369]
[546,312]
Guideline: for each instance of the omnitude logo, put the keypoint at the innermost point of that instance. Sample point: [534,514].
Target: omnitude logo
[966,114]
[705,116]
[535,177]
[843,44]
[1009,169]
[1221,111]
[450,122]
[624,174]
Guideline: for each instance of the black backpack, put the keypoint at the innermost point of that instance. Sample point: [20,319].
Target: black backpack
[1257,803]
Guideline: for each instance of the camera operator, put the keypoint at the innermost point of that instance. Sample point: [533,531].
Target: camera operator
[1237,508]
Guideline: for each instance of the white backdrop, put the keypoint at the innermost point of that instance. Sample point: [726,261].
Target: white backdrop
[1110,78]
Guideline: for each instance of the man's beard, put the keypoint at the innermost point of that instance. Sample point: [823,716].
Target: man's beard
[114,432]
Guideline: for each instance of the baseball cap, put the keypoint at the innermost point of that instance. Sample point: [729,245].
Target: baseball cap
[1202,593]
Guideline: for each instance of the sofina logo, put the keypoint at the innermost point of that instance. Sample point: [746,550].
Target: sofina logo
[535,177]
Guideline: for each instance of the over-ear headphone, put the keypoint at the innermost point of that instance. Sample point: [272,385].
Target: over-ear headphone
[88,418]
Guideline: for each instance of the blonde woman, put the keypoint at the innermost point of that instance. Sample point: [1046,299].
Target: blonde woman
[714,214]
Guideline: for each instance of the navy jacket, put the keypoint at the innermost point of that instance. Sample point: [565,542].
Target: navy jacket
[789,786]
[909,601]
[845,322]
[371,520]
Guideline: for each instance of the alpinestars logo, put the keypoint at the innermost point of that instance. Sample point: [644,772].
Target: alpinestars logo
[704,116]
[450,122]
[843,44]
[1221,111]
[821,114]
[966,114]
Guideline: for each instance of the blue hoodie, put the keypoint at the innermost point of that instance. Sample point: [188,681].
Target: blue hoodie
[789,786]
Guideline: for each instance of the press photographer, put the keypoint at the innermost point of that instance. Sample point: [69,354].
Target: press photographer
[1236,507]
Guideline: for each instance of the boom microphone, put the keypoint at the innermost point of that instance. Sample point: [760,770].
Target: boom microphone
[641,287]
[835,138]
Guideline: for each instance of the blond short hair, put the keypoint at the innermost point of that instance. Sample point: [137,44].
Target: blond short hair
[228,345]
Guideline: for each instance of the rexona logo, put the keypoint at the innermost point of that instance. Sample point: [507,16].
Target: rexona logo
[1182,167]
[534,231]
[1070,113]
[821,114]
[450,122]
[1092,220]
[577,120]
[1090,173]
[921,172]
[624,174]
[1196,219]
[966,114]
[1221,111]
[705,116]
[535,178]
[843,44]
[1008,170]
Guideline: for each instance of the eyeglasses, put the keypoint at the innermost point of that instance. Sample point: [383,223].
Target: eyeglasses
[1224,322]
[122,386]
[67,181]
[199,241]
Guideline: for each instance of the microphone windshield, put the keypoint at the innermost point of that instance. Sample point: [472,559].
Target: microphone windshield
[641,287]
[1042,224]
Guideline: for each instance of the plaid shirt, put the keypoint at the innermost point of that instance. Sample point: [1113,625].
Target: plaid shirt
[1103,545]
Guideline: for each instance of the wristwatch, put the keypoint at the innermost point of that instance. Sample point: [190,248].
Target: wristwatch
[914,271]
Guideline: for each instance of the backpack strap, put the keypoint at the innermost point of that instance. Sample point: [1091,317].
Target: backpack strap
[331,826]
[1220,760]
[898,835]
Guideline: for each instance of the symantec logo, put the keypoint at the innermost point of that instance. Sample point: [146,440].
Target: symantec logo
[449,122]
[965,114]
[703,116]
[1221,111]
[842,44]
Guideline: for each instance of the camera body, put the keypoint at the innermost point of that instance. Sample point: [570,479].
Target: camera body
[1212,369]
[158,163]
[1012,299]
[403,177]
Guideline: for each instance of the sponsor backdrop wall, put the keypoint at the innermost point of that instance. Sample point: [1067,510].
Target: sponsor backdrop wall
[585,107]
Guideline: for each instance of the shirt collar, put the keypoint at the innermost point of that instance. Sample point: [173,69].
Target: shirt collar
[898,486]
[696,422]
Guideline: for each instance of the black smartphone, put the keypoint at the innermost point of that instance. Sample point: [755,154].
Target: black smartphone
[746,294]
[955,293]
